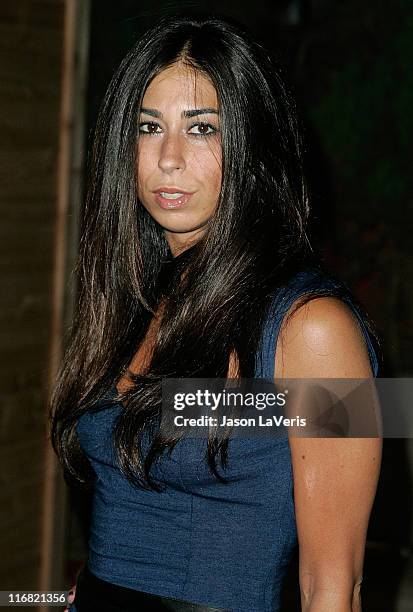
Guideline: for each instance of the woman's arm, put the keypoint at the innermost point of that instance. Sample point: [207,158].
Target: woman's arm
[335,479]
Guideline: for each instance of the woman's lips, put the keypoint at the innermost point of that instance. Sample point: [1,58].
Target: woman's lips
[168,203]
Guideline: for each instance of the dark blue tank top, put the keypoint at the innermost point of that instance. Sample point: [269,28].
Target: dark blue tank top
[222,545]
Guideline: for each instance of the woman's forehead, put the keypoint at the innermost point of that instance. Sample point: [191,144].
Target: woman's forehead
[182,83]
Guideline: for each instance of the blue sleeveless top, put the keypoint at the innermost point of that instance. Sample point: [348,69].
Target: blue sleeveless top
[222,545]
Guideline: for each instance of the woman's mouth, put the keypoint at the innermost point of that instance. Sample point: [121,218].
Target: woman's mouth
[168,199]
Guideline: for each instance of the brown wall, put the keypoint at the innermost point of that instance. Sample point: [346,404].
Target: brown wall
[31,39]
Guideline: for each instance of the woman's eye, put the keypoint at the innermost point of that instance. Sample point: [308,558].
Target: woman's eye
[203,129]
[149,127]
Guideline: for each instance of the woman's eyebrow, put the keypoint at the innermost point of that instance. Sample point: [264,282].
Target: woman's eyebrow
[193,112]
[198,111]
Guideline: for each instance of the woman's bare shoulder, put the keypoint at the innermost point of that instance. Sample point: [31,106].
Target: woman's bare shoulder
[321,339]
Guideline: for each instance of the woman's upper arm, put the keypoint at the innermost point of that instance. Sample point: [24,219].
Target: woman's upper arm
[335,479]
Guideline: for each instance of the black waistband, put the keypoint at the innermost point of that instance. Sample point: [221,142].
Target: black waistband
[96,595]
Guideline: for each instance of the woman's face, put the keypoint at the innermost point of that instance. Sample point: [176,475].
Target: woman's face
[179,153]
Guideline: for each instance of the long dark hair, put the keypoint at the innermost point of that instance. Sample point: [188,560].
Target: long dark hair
[254,242]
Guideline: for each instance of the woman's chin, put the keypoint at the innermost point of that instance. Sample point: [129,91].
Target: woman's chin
[182,225]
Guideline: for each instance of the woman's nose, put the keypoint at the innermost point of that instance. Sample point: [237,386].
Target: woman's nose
[171,156]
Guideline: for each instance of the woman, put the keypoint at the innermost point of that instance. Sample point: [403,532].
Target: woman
[195,262]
